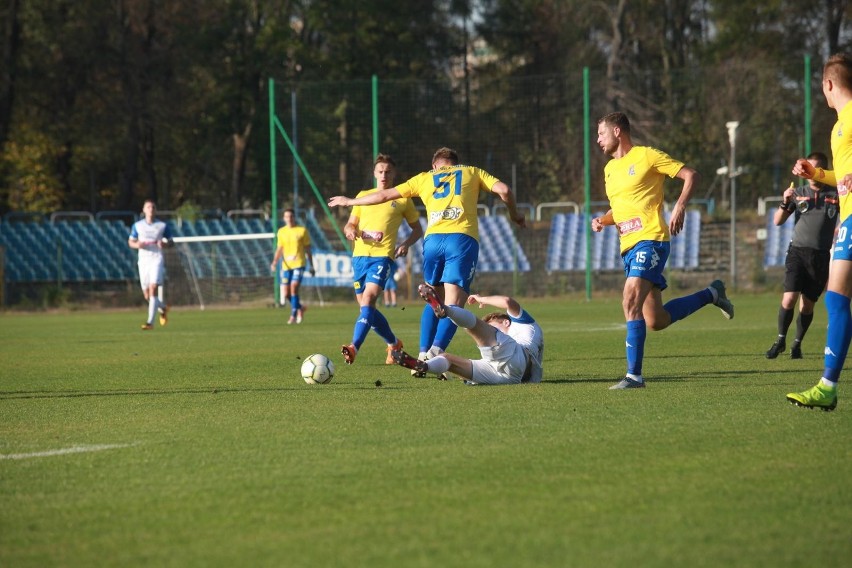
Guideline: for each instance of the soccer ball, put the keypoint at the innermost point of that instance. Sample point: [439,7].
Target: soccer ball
[317,369]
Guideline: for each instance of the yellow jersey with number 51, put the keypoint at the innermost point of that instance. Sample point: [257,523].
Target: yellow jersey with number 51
[450,195]
[634,186]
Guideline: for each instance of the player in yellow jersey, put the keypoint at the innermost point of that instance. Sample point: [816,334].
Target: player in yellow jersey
[450,192]
[374,230]
[634,185]
[294,246]
[837,88]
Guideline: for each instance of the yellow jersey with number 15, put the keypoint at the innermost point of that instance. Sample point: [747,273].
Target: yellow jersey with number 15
[379,225]
[634,186]
[450,195]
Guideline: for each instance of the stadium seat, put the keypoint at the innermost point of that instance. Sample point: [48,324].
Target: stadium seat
[243,226]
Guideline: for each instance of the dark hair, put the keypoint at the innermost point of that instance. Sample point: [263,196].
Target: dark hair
[618,119]
[384,159]
[446,154]
[290,210]
[838,68]
[820,159]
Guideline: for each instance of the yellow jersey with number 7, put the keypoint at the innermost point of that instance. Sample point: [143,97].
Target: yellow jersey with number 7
[379,225]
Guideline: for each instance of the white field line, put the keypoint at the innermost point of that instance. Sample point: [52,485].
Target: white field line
[65,451]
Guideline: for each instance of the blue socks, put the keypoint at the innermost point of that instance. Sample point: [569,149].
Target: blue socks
[382,327]
[839,334]
[295,304]
[428,328]
[371,318]
[446,330]
[636,333]
[679,308]
[362,327]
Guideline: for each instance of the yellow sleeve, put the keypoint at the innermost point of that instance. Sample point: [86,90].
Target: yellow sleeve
[829,179]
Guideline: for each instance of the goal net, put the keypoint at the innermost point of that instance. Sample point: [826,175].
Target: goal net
[234,269]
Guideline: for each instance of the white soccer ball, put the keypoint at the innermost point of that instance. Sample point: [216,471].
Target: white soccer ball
[317,369]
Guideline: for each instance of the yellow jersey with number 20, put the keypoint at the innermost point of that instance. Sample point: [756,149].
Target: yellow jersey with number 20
[634,186]
[841,157]
[450,195]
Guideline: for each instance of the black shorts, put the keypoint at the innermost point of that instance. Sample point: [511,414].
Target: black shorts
[807,271]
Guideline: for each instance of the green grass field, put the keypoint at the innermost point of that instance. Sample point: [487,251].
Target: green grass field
[198,444]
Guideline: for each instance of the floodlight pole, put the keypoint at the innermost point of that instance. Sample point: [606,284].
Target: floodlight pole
[732,175]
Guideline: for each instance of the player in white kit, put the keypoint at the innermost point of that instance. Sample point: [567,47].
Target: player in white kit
[511,343]
[150,236]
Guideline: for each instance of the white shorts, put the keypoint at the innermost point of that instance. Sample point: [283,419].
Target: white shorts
[151,271]
[501,364]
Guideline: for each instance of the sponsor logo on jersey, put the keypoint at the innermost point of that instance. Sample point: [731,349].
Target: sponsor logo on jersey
[372,235]
[629,226]
[448,214]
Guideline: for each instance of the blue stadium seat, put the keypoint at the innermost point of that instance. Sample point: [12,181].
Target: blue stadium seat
[498,246]
[228,226]
[243,226]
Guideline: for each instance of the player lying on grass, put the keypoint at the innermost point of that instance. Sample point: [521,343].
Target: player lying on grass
[511,343]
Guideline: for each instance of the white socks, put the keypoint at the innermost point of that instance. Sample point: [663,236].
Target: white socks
[438,365]
[461,317]
[153,303]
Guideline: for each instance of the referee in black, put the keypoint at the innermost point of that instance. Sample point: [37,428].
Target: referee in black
[816,209]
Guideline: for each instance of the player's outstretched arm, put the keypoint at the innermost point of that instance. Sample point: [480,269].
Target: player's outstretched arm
[510,305]
[804,169]
[374,198]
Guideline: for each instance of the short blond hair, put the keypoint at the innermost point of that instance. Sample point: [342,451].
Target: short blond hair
[447,154]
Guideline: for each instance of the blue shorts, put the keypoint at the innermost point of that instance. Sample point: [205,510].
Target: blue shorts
[843,245]
[370,269]
[292,275]
[647,259]
[450,258]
